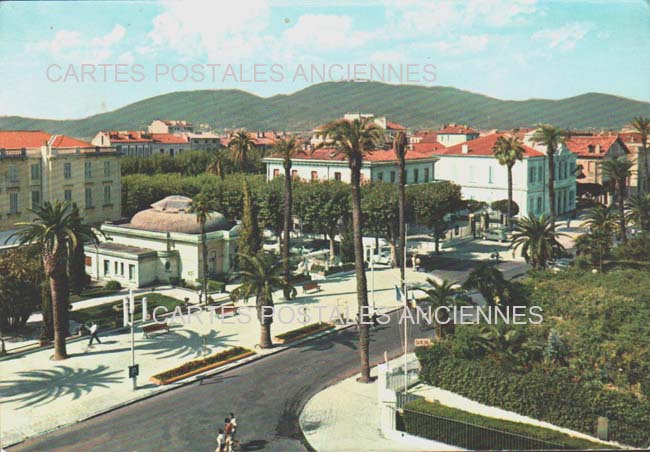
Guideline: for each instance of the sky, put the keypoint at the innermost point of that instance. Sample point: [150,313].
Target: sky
[74,59]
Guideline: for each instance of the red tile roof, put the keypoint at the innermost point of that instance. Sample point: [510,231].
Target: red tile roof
[455,129]
[581,145]
[380,155]
[428,146]
[18,139]
[168,138]
[394,126]
[481,146]
[129,136]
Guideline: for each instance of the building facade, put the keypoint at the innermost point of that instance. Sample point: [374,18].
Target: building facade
[36,167]
[163,244]
[170,126]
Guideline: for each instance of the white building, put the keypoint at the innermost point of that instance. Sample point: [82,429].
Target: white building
[452,134]
[161,244]
[380,165]
[472,165]
[168,126]
[136,143]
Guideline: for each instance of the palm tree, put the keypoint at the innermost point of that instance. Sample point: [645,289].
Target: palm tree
[550,137]
[642,126]
[618,171]
[639,211]
[260,277]
[508,150]
[441,294]
[202,207]
[399,146]
[602,222]
[286,148]
[538,240]
[489,282]
[354,139]
[241,145]
[56,232]
[216,165]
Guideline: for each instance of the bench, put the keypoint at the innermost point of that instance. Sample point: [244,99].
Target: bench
[225,309]
[146,329]
[311,286]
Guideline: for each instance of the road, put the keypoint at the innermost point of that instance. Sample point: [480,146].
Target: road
[266,395]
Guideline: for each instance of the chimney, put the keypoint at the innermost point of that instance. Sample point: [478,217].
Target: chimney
[598,149]
[465,148]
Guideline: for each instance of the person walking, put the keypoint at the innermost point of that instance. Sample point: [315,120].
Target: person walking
[228,432]
[221,442]
[93,334]
[233,422]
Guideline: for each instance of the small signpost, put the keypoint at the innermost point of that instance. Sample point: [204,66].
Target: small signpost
[423,342]
[134,371]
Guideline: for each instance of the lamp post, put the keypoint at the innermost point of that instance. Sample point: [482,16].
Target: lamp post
[133,368]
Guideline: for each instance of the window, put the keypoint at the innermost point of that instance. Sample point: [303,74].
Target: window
[380,175]
[426,174]
[67,170]
[13,202]
[88,169]
[539,204]
[13,173]
[116,268]
[572,199]
[314,175]
[531,174]
[36,171]
[107,194]
[122,268]
[337,175]
[416,175]
[89,197]
[107,266]
[131,272]
[67,194]
[276,173]
[392,177]
[107,169]
[88,261]
[36,198]
[490,175]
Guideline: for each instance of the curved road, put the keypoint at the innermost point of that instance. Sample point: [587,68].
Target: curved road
[267,395]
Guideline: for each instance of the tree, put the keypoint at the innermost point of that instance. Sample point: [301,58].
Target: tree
[538,240]
[618,171]
[490,283]
[354,139]
[217,164]
[21,274]
[322,207]
[287,148]
[602,222]
[55,232]
[250,239]
[508,150]
[381,213]
[551,137]
[639,211]
[433,203]
[77,264]
[203,209]
[442,294]
[399,146]
[241,146]
[504,206]
[261,275]
[642,126]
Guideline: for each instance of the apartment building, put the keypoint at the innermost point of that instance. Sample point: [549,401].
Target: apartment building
[137,143]
[36,166]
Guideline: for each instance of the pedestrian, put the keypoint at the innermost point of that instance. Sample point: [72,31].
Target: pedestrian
[93,334]
[221,442]
[568,223]
[375,320]
[228,432]
[233,422]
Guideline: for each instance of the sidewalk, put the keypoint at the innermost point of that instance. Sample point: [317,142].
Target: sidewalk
[345,418]
[40,394]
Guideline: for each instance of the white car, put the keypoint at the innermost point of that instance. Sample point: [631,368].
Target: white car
[382,258]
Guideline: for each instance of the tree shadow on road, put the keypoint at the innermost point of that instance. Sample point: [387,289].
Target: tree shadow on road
[39,387]
[184,343]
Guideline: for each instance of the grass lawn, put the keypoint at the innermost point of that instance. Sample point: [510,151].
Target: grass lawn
[107,317]
[436,409]
[93,293]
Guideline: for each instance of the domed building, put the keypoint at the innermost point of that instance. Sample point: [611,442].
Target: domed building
[163,244]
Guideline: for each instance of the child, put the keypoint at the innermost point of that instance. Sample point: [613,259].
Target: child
[220,442]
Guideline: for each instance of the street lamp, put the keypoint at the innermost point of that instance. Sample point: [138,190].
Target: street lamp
[129,317]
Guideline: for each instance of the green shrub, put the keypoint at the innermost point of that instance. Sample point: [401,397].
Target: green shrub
[202,362]
[113,285]
[216,286]
[547,394]
[305,330]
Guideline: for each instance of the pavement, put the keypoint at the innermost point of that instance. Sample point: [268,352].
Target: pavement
[346,415]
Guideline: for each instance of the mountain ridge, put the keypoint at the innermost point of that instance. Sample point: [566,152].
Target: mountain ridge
[417,107]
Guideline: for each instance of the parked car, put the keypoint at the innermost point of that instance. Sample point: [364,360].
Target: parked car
[382,258]
[498,234]
[560,264]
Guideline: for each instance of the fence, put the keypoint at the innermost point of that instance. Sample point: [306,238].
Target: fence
[396,381]
[467,436]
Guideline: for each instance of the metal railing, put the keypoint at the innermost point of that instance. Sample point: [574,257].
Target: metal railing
[396,380]
[465,435]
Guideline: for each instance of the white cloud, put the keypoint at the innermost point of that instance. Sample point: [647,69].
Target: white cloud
[563,38]
[462,44]
[110,39]
[62,41]
[325,32]
[73,46]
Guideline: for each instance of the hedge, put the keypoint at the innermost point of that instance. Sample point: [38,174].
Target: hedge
[304,331]
[547,395]
[200,363]
[491,441]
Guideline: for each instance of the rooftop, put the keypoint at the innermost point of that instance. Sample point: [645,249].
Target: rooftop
[592,146]
[456,129]
[481,146]
[379,155]
[19,139]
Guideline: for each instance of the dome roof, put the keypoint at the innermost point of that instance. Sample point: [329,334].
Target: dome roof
[171,214]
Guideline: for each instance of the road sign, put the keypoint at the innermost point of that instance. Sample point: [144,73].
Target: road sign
[423,342]
[134,371]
